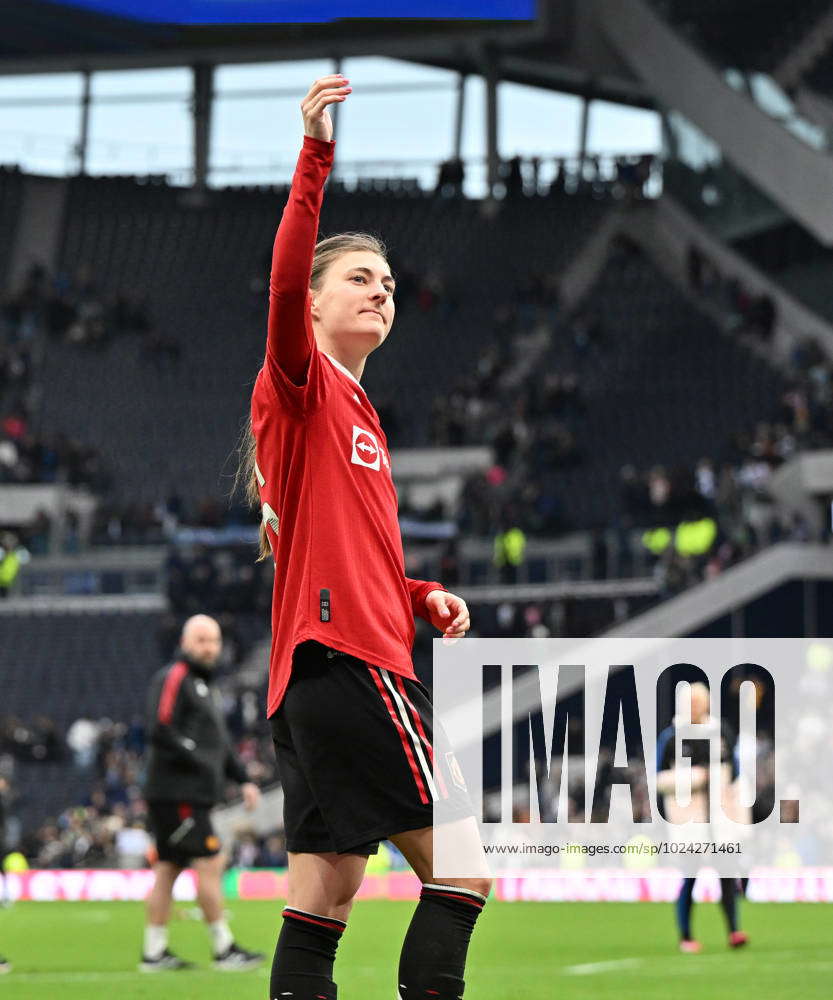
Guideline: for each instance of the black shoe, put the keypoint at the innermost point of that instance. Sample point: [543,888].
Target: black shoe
[5,965]
[236,959]
[165,963]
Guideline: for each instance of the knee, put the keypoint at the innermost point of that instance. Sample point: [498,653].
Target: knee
[209,869]
[481,885]
[335,900]
[166,873]
[342,910]
[343,898]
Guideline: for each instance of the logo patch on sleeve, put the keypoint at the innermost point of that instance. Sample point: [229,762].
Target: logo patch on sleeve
[366,450]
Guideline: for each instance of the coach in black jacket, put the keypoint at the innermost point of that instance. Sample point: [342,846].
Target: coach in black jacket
[190,760]
[191,756]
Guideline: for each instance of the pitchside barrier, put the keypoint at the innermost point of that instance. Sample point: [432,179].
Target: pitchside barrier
[804,885]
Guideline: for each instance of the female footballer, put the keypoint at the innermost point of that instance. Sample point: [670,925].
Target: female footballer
[351,724]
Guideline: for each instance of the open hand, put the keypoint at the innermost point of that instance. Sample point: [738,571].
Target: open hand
[448,613]
[327,90]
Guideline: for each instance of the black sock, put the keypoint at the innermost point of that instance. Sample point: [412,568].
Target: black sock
[728,900]
[302,968]
[433,959]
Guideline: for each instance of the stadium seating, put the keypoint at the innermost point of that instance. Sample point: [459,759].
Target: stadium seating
[68,665]
[81,665]
[659,384]
[664,386]
[752,35]
[163,424]
[796,260]
[166,426]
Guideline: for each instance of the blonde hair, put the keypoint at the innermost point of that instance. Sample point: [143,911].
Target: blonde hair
[327,252]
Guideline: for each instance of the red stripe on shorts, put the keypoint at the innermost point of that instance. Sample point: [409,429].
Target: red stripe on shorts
[403,736]
[400,683]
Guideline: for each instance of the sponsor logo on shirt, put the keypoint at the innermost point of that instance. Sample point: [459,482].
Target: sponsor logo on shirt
[366,450]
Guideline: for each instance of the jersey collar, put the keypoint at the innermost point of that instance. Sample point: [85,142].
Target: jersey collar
[341,368]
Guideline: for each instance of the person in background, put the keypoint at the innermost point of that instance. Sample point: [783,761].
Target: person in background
[190,759]
[353,727]
[698,752]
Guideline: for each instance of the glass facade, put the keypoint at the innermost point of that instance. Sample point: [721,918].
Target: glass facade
[399,122]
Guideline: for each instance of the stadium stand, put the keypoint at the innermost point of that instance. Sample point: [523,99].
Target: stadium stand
[638,377]
[796,260]
[177,398]
[69,666]
[62,667]
[177,394]
[652,366]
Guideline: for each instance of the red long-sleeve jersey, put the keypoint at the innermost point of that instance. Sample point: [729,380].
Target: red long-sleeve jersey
[323,466]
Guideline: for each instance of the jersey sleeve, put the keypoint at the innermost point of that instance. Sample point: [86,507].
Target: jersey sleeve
[419,590]
[290,343]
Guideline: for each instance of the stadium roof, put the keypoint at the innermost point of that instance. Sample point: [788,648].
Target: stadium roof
[559,51]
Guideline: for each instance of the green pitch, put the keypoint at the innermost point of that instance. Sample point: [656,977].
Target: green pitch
[568,951]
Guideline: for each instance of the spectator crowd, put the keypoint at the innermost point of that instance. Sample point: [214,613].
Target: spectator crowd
[108,827]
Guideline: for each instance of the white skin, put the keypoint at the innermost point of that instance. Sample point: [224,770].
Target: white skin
[353,310]
[201,641]
[356,284]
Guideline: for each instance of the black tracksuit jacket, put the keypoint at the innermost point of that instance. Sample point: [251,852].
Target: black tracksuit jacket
[191,754]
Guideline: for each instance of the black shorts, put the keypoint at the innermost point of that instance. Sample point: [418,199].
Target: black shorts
[183,832]
[357,757]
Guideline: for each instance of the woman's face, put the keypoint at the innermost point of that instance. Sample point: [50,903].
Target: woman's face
[355,301]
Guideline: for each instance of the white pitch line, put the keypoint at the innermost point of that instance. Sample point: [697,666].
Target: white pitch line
[592,968]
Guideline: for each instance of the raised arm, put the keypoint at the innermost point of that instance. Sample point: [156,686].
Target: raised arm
[290,339]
